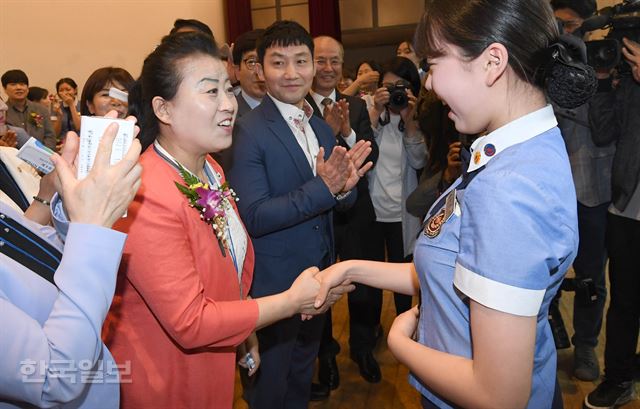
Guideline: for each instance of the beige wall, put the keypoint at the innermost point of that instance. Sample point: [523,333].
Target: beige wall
[72,38]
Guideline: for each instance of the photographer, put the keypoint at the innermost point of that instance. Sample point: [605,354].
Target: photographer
[591,170]
[614,117]
[402,152]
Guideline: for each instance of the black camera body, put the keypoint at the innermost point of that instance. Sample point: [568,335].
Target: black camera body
[398,97]
[624,21]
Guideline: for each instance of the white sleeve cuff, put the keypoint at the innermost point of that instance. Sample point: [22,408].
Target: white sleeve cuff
[496,295]
[351,139]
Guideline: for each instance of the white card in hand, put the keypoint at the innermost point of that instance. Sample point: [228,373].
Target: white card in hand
[91,130]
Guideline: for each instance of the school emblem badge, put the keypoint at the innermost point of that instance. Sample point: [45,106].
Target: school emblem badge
[476,157]
[434,225]
[489,149]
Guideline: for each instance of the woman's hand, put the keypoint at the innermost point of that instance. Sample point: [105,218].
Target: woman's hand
[631,52]
[67,98]
[367,80]
[381,99]
[9,139]
[408,113]
[250,346]
[454,163]
[104,195]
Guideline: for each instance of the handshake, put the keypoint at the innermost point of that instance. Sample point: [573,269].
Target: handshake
[315,291]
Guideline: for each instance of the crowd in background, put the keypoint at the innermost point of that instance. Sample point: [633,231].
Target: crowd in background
[360,177]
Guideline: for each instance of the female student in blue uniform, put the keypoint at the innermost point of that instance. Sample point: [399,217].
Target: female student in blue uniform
[495,247]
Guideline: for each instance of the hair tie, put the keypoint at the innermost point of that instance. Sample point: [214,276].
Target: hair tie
[563,71]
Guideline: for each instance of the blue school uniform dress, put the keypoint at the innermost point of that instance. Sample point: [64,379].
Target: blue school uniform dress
[504,234]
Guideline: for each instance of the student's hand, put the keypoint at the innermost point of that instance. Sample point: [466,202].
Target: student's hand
[334,171]
[631,52]
[104,195]
[332,278]
[405,324]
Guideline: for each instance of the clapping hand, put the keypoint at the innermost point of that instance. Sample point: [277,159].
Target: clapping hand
[337,116]
[358,154]
[334,171]
[9,139]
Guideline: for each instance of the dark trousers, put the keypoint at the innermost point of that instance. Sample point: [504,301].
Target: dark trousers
[386,239]
[365,303]
[590,265]
[623,316]
[288,350]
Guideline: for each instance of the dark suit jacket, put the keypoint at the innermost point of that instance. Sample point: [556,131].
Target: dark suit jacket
[362,212]
[286,209]
[243,107]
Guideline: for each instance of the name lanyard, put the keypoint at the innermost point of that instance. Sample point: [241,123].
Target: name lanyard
[166,156]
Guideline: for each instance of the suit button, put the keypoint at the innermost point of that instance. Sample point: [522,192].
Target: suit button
[316,227]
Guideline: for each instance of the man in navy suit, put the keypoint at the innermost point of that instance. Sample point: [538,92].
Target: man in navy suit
[349,120]
[289,176]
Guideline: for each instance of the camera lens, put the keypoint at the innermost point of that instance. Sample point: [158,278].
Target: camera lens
[398,98]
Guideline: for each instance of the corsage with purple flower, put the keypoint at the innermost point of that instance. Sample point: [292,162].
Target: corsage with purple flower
[213,203]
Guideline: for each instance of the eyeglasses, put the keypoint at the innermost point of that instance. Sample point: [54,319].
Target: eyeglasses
[323,62]
[250,63]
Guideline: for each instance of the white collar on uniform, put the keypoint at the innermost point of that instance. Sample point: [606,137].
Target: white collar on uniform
[524,128]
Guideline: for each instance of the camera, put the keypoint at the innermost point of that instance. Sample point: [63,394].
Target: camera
[623,20]
[398,98]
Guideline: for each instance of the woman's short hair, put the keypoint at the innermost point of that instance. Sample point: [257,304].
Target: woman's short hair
[405,69]
[161,76]
[99,79]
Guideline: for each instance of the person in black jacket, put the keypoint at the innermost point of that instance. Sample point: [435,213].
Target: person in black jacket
[614,117]
[349,120]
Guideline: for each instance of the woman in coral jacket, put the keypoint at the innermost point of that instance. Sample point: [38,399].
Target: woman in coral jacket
[182,309]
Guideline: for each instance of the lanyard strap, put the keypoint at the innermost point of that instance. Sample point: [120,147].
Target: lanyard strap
[9,186]
[25,247]
[166,156]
